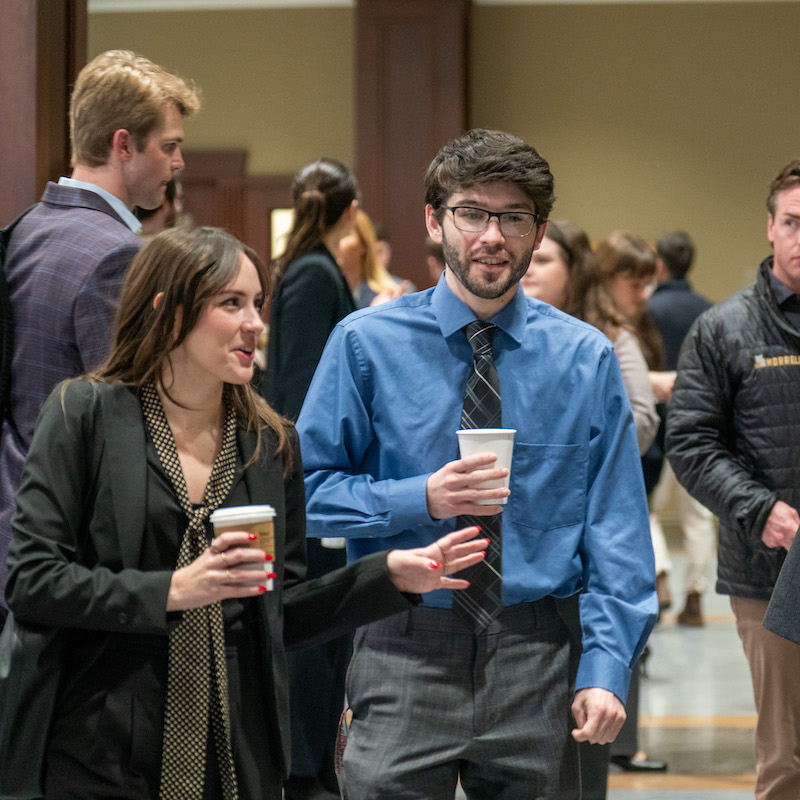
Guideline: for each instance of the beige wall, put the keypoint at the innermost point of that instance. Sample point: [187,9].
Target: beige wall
[652,115]
[278,83]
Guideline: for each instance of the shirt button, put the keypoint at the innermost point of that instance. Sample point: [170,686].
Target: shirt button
[122,618]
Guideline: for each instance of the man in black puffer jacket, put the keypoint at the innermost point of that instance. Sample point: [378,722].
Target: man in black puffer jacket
[733,440]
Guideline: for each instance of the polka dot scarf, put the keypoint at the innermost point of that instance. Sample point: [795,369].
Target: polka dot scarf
[197,682]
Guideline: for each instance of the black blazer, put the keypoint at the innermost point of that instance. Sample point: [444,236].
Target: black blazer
[74,564]
[311,298]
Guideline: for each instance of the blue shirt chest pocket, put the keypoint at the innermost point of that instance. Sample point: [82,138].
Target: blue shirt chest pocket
[548,485]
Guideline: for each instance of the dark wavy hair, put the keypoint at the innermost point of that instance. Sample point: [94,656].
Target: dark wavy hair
[587,297]
[485,156]
[576,250]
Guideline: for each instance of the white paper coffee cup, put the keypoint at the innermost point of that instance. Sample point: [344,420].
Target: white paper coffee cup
[499,441]
[259,520]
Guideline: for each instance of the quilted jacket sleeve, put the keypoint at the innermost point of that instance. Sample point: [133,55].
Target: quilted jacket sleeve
[700,437]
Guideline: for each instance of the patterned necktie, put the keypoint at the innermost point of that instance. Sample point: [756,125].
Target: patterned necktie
[197,677]
[479,604]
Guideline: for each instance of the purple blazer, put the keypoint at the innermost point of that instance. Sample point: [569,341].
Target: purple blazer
[64,265]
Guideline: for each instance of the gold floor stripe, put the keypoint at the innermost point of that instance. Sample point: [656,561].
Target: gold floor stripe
[690,721]
[663,780]
[670,618]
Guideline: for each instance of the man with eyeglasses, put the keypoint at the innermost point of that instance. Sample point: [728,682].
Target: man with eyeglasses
[499,698]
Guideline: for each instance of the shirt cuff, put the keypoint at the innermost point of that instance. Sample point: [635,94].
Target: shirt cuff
[409,501]
[601,670]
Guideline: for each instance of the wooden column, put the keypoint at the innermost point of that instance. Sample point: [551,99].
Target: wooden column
[411,83]
[42,48]
[219,192]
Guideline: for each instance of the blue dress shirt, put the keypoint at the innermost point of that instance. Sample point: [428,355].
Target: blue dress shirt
[381,415]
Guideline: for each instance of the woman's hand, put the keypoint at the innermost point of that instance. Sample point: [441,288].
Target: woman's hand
[424,569]
[661,384]
[219,573]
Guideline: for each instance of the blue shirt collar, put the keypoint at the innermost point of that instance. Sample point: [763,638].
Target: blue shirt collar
[124,212]
[453,314]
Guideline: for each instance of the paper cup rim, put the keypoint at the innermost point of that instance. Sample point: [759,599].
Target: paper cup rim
[491,431]
[242,514]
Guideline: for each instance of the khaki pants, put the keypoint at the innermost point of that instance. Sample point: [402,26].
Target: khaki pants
[699,529]
[775,670]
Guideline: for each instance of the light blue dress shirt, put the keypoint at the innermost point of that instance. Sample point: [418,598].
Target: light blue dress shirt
[381,415]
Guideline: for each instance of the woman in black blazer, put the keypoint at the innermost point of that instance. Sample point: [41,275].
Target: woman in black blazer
[96,672]
[311,293]
[311,296]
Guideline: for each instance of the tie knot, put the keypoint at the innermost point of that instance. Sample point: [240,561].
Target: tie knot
[480,335]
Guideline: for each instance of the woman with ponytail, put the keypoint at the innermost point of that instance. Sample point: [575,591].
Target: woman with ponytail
[311,296]
[312,293]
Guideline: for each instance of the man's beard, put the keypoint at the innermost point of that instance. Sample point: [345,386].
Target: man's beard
[487,290]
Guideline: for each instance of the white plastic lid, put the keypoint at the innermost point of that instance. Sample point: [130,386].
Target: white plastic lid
[241,515]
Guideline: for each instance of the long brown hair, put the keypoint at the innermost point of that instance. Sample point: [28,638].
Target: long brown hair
[321,193]
[586,297]
[625,253]
[189,265]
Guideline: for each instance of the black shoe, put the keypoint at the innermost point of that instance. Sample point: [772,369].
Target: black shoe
[634,765]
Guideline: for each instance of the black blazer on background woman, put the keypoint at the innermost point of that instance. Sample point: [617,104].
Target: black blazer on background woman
[310,299]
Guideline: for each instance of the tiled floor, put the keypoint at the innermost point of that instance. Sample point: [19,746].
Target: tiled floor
[697,710]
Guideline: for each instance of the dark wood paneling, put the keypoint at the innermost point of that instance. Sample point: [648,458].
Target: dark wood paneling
[42,47]
[411,79]
[218,192]
[17,106]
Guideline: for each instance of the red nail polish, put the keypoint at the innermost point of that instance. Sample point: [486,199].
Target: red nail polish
[479,528]
[434,565]
[271,575]
[488,541]
[252,536]
[268,557]
[262,588]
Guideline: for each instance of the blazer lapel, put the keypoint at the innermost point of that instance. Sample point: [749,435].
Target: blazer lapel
[72,197]
[123,426]
[256,480]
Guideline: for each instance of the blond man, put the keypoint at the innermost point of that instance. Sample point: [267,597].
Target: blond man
[67,257]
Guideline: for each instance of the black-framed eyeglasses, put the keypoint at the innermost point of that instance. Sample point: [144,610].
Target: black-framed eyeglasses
[476,220]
